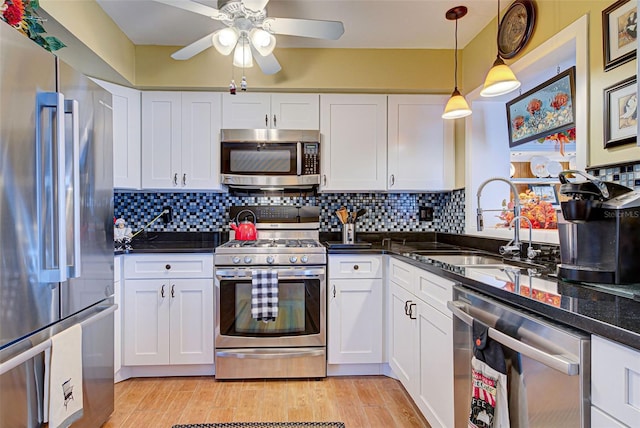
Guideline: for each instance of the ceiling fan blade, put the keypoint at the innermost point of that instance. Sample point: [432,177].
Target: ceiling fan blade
[194,48]
[192,6]
[268,64]
[331,30]
[255,5]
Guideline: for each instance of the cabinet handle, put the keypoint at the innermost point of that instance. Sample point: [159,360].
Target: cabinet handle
[406,307]
[184,179]
[393,179]
[356,267]
[266,120]
[172,291]
[175,179]
[167,266]
[162,291]
[411,305]
[275,124]
[334,291]
[324,179]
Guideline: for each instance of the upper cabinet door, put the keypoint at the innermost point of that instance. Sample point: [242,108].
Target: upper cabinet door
[246,110]
[126,135]
[420,144]
[275,111]
[200,141]
[161,140]
[295,111]
[354,142]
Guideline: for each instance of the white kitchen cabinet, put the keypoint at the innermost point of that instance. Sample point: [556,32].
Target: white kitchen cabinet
[126,135]
[421,339]
[420,144]
[263,110]
[168,309]
[615,382]
[181,140]
[355,309]
[353,130]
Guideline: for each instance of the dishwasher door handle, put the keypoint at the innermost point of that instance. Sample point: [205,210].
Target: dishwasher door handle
[557,362]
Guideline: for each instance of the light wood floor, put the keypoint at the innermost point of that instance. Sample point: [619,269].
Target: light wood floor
[358,401]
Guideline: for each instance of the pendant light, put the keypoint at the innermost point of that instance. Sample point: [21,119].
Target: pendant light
[457,106]
[500,80]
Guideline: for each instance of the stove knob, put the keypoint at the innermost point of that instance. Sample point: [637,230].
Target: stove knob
[270,259]
[236,260]
[304,259]
[247,260]
[293,259]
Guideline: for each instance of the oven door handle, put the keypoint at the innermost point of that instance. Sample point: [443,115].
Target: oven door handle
[557,362]
[263,355]
[282,274]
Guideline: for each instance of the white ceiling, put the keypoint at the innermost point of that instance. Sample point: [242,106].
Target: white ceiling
[398,24]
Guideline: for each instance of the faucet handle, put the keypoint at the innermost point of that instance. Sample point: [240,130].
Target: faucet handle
[509,249]
[531,253]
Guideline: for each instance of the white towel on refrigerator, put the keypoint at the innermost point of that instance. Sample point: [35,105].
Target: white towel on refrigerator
[65,377]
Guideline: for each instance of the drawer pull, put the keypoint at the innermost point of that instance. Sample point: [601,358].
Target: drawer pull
[167,266]
[356,267]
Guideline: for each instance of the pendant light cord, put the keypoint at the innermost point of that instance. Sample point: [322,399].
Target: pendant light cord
[455,62]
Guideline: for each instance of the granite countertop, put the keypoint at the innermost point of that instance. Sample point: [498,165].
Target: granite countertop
[173,242]
[610,311]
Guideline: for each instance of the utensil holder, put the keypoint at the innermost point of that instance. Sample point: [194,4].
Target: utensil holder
[349,233]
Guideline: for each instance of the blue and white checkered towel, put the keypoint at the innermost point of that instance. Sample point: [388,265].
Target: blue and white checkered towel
[264,294]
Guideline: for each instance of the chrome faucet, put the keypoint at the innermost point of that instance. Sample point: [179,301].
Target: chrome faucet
[514,245]
[531,253]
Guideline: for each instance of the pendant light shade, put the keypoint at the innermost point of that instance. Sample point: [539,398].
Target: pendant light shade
[457,105]
[500,80]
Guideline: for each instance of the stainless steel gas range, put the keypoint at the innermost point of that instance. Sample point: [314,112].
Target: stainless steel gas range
[293,344]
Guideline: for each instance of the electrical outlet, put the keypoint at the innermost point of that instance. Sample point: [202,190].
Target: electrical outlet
[425,214]
[167,214]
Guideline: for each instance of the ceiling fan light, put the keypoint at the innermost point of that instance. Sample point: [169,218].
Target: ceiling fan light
[263,41]
[456,107]
[242,55]
[500,80]
[225,40]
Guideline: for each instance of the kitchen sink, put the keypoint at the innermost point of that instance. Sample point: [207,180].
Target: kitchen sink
[466,259]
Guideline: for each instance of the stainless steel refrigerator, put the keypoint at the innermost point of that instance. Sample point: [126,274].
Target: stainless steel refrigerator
[56,228]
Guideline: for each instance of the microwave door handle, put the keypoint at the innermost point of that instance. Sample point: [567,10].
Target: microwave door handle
[299,157]
[557,362]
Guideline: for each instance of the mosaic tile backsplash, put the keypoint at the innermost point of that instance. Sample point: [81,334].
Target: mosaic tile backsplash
[625,175]
[209,212]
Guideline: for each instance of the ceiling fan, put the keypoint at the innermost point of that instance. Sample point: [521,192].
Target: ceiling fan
[249,33]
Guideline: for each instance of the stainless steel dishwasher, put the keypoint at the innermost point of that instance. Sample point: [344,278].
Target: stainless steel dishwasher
[548,365]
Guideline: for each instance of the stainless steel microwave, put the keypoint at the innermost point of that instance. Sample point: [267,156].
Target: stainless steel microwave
[270,158]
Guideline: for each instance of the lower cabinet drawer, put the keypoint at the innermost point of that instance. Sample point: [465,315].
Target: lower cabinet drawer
[615,380]
[168,266]
[355,266]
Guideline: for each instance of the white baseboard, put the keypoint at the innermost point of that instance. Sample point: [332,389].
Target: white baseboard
[127,372]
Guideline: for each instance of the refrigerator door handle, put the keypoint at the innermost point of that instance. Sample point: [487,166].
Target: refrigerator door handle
[50,172]
[74,267]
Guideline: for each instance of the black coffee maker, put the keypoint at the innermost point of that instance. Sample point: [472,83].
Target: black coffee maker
[601,241]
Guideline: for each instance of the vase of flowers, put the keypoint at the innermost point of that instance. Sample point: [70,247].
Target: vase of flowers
[21,14]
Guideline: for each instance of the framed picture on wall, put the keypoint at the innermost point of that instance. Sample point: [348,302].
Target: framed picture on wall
[621,113]
[546,192]
[547,109]
[619,32]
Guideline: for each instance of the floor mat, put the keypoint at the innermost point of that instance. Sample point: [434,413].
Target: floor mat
[266,425]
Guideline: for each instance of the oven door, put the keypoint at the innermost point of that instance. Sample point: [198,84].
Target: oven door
[301,309]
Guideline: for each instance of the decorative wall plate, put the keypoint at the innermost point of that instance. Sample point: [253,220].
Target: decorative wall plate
[516,28]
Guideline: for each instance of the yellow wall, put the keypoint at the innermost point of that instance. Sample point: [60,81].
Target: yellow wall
[553,16]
